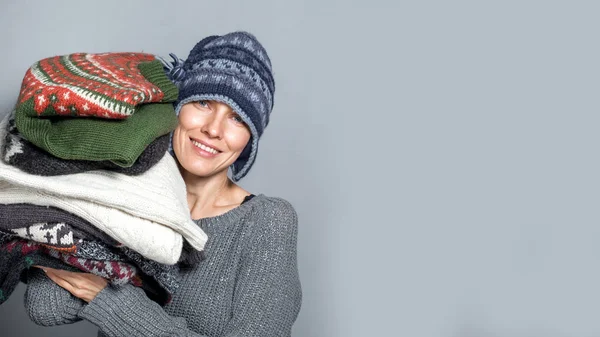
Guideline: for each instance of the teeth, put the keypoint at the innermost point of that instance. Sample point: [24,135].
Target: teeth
[205,148]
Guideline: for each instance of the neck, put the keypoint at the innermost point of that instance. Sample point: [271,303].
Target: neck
[211,196]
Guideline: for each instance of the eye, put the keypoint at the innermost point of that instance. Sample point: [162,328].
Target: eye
[237,119]
[202,104]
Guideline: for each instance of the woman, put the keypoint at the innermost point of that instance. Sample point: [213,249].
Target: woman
[248,284]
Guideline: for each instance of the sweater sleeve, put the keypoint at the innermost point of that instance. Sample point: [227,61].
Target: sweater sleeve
[48,304]
[268,295]
[127,311]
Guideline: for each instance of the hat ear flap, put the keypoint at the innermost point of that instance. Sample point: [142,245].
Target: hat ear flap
[241,161]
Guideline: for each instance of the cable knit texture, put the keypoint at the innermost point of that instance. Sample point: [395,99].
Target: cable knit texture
[148,213]
[247,286]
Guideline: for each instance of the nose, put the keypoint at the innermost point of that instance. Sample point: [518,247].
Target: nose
[212,126]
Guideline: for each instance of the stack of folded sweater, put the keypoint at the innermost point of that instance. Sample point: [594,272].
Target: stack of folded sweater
[85,180]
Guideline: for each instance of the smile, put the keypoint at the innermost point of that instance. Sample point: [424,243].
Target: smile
[204,147]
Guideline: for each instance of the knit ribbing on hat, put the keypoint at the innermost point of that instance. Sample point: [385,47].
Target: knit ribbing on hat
[236,70]
[109,85]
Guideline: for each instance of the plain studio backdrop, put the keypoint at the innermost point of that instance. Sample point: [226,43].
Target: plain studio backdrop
[443,156]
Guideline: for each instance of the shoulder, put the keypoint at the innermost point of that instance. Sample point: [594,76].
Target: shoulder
[274,216]
[273,208]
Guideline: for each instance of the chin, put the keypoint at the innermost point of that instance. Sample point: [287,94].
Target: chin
[202,171]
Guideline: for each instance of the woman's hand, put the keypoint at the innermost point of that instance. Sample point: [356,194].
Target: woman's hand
[82,285]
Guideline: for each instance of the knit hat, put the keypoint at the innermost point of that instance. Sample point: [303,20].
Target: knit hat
[233,69]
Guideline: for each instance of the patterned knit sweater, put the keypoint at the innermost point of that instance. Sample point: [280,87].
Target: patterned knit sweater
[247,286]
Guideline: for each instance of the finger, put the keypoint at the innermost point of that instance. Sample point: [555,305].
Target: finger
[81,293]
[60,281]
[41,267]
[74,279]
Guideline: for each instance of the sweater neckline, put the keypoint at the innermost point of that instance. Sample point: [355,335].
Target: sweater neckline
[234,213]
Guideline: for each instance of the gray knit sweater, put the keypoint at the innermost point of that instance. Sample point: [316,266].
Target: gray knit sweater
[248,284]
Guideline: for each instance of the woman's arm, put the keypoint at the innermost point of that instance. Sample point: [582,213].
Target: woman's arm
[48,304]
[118,310]
[268,295]
[127,311]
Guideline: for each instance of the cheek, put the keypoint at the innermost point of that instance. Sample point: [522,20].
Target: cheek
[177,141]
[238,139]
[176,135]
[187,120]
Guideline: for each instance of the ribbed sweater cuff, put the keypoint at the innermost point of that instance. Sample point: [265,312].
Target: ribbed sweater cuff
[47,304]
[127,311]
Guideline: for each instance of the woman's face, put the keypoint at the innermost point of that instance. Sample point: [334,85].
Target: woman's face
[209,138]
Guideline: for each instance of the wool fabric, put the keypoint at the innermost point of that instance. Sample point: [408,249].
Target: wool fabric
[18,255]
[54,234]
[148,213]
[29,158]
[154,241]
[95,139]
[159,280]
[247,286]
[107,85]
[233,69]
[40,292]
[14,216]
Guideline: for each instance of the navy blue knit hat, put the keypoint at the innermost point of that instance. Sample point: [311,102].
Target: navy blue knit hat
[233,69]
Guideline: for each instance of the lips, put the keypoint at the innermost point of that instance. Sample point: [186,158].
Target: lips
[205,147]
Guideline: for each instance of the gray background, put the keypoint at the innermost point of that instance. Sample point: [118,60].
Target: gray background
[442,156]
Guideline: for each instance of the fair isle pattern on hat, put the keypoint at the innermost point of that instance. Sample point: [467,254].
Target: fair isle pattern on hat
[233,69]
[108,85]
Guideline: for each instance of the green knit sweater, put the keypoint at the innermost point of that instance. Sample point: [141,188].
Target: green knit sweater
[247,286]
[70,84]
